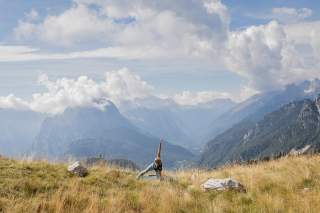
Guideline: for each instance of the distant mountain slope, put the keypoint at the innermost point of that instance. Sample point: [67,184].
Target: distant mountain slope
[181,125]
[160,122]
[294,125]
[90,132]
[18,130]
[259,105]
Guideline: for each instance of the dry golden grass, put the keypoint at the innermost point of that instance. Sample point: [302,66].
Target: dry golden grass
[285,185]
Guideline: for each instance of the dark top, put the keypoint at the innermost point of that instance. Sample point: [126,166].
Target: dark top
[157,167]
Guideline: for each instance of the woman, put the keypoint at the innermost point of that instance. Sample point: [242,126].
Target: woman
[155,166]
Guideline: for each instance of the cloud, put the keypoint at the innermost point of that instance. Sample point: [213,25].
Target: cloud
[305,34]
[153,25]
[65,93]
[285,15]
[32,15]
[245,93]
[76,24]
[13,53]
[194,98]
[124,85]
[119,86]
[271,56]
[12,102]
[255,53]
[290,15]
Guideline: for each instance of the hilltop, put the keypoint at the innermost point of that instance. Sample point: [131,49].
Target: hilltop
[289,184]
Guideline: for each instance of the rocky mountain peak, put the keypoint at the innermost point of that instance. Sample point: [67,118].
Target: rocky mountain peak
[318,103]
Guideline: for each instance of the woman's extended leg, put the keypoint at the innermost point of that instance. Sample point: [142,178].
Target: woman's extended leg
[146,170]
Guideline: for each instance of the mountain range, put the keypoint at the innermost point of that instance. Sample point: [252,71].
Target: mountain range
[181,125]
[131,130]
[293,126]
[259,105]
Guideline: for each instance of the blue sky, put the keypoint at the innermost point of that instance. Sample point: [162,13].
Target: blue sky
[207,48]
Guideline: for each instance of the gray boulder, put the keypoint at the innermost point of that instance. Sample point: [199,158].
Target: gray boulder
[222,185]
[77,169]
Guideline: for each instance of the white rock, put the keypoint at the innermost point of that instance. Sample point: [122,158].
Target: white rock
[301,151]
[223,184]
[306,189]
[77,169]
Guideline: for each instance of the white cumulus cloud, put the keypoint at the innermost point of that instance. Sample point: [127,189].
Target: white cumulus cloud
[78,23]
[271,56]
[118,86]
[187,28]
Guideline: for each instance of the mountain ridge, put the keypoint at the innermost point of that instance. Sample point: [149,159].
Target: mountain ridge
[294,125]
[259,105]
[89,132]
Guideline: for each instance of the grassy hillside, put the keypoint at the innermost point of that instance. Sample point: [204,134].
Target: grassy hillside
[285,185]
